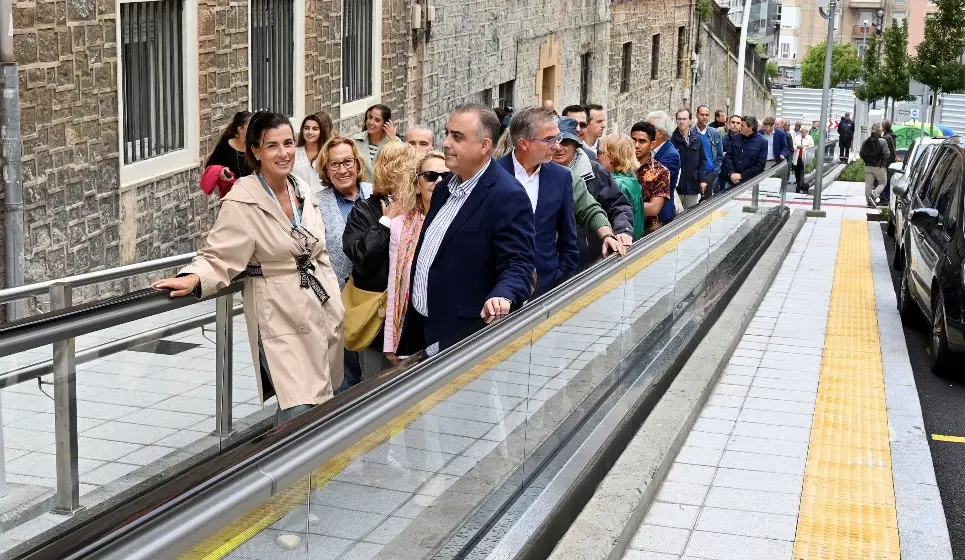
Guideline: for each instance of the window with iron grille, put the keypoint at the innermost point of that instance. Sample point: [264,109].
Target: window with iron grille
[655,57]
[152,89]
[625,67]
[584,78]
[272,56]
[357,30]
[681,50]
[506,90]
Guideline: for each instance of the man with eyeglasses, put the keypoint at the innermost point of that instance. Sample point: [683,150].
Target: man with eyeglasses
[693,161]
[728,136]
[579,113]
[534,132]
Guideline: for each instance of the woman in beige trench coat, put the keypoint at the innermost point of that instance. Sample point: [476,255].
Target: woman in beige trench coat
[269,227]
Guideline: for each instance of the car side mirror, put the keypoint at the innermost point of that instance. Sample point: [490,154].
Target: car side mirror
[897,167]
[899,191]
[923,217]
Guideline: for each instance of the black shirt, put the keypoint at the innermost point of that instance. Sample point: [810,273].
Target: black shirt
[227,156]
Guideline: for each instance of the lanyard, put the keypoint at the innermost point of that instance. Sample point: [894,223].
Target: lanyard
[296,214]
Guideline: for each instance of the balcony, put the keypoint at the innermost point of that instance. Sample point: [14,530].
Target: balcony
[865,4]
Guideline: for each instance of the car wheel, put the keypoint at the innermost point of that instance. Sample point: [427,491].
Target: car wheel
[906,305]
[939,355]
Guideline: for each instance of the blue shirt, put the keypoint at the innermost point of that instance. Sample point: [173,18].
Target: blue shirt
[706,142]
[345,205]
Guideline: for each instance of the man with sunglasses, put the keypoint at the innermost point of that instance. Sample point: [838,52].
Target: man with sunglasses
[579,113]
[534,133]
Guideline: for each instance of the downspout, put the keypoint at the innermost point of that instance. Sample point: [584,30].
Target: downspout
[10,151]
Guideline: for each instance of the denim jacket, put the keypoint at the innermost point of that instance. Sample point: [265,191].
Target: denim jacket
[716,146]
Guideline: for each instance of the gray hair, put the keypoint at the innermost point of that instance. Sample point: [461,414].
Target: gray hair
[489,125]
[416,127]
[661,121]
[525,122]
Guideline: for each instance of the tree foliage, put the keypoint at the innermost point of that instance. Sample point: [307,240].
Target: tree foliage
[894,77]
[937,62]
[845,65]
[771,69]
[873,87]
[704,9]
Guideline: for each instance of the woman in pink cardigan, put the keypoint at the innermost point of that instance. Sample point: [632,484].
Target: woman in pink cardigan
[403,239]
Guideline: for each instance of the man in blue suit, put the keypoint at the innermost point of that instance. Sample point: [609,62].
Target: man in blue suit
[746,156]
[664,152]
[474,260]
[534,133]
[776,139]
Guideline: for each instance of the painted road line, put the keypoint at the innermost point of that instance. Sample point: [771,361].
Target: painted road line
[848,501]
[237,533]
[953,439]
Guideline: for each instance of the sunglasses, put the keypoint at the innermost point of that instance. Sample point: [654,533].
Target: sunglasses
[583,124]
[431,176]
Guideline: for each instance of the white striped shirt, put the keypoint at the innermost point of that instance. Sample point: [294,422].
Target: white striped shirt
[434,234]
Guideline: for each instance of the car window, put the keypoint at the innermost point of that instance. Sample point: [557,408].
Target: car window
[927,192]
[911,154]
[943,190]
[920,166]
[952,207]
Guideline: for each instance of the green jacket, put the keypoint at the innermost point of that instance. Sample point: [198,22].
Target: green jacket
[634,192]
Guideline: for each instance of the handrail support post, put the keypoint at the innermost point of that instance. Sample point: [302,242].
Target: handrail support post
[65,412]
[224,348]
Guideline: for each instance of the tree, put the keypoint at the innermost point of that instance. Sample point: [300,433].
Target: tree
[894,75]
[845,65]
[873,87]
[771,69]
[937,61]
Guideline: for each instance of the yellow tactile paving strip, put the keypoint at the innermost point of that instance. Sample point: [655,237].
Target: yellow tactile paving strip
[848,503]
[246,527]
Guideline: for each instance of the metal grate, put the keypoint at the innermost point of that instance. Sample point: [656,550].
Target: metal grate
[152,61]
[584,78]
[682,55]
[625,68]
[655,57]
[272,56]
[506,92]
[356,49]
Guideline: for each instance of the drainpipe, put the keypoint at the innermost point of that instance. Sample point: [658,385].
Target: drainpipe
[10,151]
[10,148]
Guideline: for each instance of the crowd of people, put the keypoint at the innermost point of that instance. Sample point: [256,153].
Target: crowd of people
[363,249]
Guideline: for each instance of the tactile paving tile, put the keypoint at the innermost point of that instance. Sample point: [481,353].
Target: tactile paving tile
[848,499]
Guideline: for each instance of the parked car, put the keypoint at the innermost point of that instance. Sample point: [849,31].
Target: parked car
[906,175]
[934,252]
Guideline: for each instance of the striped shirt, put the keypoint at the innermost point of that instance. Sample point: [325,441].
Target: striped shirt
[373,153]
[433,235]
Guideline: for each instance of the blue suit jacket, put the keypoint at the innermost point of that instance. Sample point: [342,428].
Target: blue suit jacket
[781,147]
[557,252]
[668,156]
[486,252]
[746,155]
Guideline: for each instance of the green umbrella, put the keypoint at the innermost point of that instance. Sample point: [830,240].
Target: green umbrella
[906,134]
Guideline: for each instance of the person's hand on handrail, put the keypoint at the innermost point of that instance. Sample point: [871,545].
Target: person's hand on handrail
[180,286]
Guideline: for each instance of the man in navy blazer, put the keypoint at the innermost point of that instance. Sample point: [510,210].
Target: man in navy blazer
[474,260]
[776,139]
[534,133]
[746,156]
[664,152]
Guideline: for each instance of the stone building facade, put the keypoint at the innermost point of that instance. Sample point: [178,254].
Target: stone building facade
[84,209]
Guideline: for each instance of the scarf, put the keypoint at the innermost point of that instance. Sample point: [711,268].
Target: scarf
[408,239]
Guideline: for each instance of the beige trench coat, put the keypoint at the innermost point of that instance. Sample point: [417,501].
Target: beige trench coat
[302,338]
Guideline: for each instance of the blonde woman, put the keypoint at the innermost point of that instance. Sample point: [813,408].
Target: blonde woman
[366,237]
[413,205]
[617,155]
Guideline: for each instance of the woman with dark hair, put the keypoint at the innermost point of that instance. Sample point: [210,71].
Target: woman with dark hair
[377,131]
[315,131]
[269,228]
[227,162]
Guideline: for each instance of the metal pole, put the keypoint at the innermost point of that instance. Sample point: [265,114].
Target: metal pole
[924,108]
[742,59]
[65,413]
[823,136]
[224,338]
[10,151]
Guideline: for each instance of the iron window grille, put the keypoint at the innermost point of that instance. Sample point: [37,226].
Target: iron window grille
[357,29]
[584,78]
[152,61]
[273,56]
[655,57]
[625,67]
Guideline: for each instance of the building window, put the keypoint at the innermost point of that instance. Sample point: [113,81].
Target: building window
[681,50]
[584,78]
[506,90]
[152,61]
[625,68]
[785,50]
[358,46]
[272,56]
[655,57]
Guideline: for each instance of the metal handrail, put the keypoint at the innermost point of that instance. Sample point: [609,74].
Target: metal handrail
[86,279]
[223,497]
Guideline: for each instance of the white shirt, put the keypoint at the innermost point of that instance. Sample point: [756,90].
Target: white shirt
[529,182]
[433,236]
[770,145]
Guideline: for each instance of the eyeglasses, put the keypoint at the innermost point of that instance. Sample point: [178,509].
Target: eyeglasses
[582,124]
[548,141]
[348,165]
[432,176]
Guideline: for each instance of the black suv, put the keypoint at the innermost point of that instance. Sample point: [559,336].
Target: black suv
[934,247]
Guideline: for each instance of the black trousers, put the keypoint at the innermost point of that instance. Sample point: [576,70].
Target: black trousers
[844,148]
[799,175]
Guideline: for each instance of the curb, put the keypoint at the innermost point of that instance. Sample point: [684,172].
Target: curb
[605,527]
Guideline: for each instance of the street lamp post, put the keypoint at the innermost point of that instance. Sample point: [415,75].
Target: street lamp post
[825,94]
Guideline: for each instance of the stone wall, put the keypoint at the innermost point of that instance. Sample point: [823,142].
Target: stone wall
[716,82]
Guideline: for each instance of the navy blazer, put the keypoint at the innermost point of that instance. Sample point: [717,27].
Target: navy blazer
[780,144]
[557,252]
[668,156]
[486,252]
[746,155]
[693,162]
